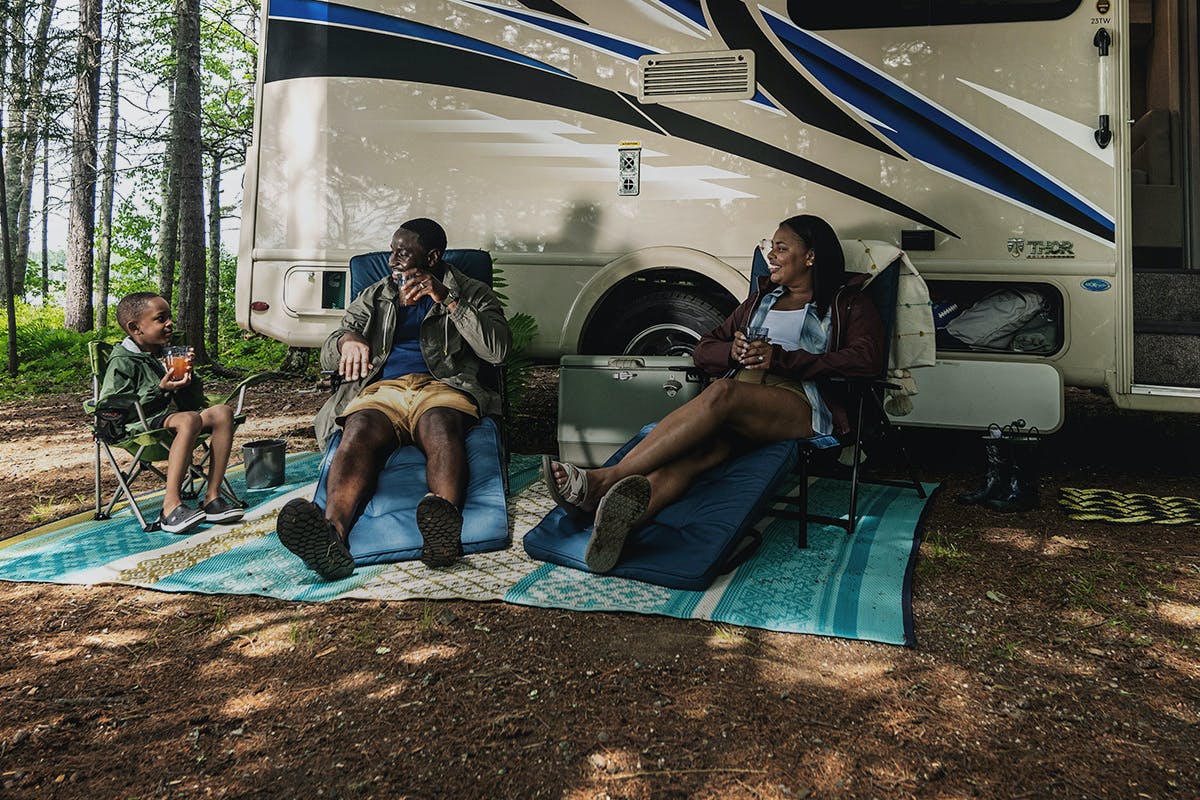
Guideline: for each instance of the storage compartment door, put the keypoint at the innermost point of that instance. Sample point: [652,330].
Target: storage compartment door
[604,400]
[974,394]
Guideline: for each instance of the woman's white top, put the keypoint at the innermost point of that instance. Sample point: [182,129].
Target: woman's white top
[802,329]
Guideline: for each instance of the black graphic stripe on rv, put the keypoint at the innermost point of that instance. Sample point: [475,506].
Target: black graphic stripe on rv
[735,24]
[550,7]
[355,53]
[703,132]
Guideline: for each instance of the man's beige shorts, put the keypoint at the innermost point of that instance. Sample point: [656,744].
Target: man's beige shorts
[403,400]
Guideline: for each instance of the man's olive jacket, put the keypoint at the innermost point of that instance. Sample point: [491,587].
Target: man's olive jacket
[455,343]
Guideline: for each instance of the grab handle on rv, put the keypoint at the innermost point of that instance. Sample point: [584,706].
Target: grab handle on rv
[1102,41]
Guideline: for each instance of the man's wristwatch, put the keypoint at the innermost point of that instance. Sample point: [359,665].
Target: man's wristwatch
[450,299]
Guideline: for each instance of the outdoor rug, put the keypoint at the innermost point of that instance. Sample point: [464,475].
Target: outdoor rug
[1105,505]
[855,587]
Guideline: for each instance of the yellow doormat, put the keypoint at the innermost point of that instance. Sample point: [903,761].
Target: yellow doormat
[1105,505]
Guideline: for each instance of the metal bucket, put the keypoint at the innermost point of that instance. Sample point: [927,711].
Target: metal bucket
[264,461]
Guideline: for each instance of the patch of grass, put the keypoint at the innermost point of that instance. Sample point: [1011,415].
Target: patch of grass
[302,634]
[52,508]
[425,623]
[1008,650]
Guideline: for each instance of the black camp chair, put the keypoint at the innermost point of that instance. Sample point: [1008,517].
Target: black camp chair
[148,447]
[870,420]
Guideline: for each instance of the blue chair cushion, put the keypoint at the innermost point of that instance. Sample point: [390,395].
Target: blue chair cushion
[368,268]
[386,530]
[691,541]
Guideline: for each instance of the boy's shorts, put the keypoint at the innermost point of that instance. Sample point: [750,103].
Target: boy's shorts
[403,400]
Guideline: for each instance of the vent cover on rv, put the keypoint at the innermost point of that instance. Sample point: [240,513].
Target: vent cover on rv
[676,77]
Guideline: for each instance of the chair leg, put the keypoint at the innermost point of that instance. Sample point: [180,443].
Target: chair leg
[99,493]
[891,433]
[802,499]
[123,481]
[852,520]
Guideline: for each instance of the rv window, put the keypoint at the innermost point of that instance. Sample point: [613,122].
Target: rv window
[913,13]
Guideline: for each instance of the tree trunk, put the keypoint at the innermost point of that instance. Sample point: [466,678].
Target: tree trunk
[186,127]
[213,316]
[81,221]
[109,168]
[10,301]
[168,220]
[45,212]
[35,113]
[17,97]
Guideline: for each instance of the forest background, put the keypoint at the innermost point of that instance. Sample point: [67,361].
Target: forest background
[125,127]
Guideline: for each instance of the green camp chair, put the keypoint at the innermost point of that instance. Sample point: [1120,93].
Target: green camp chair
[147,447]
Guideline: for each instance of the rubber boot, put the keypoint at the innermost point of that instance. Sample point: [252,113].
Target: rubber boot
[1021,492]
[996,477]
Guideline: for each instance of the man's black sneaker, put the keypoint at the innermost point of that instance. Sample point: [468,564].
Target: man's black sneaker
[181,520]
[221,510]
[440,524]
[303,529]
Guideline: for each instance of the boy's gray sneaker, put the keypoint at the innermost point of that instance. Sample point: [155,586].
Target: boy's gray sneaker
[181,520]
[221,510]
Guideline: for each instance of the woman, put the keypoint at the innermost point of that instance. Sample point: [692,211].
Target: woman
[818,326]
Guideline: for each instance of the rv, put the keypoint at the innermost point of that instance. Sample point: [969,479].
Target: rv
[621,159]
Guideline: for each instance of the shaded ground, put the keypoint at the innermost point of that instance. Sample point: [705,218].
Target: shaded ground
[1054,658]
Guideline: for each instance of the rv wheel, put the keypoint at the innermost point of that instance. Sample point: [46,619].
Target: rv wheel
[663,323]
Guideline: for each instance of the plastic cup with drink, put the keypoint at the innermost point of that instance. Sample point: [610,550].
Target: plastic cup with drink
[756,333]
[178,360]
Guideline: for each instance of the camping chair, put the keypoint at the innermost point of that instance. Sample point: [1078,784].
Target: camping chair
[869,421]
[148,447]
[368,268]
[384,529]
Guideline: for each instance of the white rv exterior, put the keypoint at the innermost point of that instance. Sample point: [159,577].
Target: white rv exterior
[622,193]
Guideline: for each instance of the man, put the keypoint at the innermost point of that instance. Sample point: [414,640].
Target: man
[409,351]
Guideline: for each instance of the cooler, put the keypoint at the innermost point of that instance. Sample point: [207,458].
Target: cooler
[603,401]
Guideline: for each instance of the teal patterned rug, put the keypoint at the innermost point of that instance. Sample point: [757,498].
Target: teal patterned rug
[853,587]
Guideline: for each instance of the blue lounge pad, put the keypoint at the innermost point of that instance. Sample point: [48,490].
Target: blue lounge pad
[693,540]
[386,531]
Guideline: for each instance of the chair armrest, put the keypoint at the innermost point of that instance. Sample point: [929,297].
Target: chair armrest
[864,382]
[239,391]
[117,402]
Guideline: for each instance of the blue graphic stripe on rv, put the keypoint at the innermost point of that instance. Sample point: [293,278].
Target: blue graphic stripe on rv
[301,49]
[629,50]
[935,137]
[688,8]
[332,13]
[609,44]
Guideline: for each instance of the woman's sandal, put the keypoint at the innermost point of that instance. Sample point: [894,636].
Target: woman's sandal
[572,494]
[621,508]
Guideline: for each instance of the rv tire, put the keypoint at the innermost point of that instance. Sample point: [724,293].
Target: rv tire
[663,323]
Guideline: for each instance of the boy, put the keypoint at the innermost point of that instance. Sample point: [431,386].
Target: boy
[135,369]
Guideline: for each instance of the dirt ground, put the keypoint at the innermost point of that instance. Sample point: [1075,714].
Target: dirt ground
[1054,659]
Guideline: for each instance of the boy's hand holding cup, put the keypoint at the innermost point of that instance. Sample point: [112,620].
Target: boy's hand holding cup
[178,361]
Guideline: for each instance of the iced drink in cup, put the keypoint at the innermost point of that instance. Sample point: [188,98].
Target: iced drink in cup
[402,281]
[178,361]
[755,334]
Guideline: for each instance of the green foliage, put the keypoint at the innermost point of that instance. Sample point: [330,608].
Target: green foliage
[52,358]
[524,328]
[250,352]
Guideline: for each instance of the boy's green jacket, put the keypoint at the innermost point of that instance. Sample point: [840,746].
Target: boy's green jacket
[137,374]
